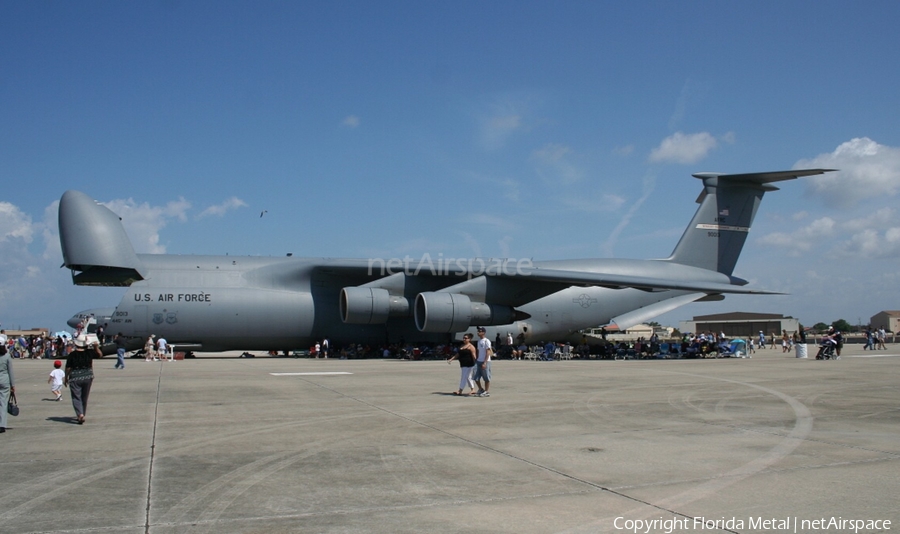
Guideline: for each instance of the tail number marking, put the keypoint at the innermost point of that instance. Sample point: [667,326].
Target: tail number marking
[719,227]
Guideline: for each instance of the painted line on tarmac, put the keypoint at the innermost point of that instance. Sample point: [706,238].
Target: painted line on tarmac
[320,373]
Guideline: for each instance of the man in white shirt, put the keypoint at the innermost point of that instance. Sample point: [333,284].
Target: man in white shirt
[483,363]
[162,347]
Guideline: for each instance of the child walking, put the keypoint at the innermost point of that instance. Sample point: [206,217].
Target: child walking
[56,379]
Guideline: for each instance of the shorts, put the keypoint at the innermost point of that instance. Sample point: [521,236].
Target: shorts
[480,373]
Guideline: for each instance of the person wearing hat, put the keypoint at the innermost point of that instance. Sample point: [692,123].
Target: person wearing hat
[56,379]
[149,349]
[80,375]
[483,364]
[7,384]
[838,341]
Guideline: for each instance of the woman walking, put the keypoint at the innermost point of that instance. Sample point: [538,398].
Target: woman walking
[7,384]
[80,375]
[466,357]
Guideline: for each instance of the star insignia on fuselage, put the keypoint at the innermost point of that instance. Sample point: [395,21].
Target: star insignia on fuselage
[584,300]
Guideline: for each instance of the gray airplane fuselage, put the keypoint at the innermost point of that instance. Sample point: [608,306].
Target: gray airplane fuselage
[219,303]
[243,303]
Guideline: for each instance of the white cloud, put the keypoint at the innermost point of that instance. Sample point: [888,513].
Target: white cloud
[803,239]
[871,243]
[551,153]
[501,117]
[143,222]
[648,185]
[504,245]
[14,224]
[27,280]
[50,231]
[592,203]
[874,236]
[867,169]
[511,190]
[555,165]
[876,219]
[624,151]
[495,130]
[350,121]
[683,148]
[490,223]
[223,208]
[472,243]
[862,223]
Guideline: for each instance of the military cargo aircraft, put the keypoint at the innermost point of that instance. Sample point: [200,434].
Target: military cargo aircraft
[219,303]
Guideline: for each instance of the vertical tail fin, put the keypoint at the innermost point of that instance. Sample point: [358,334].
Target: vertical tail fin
[94,242]
[714,238]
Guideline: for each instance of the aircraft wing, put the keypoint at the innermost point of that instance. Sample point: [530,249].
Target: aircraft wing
[619,281]
[554,279]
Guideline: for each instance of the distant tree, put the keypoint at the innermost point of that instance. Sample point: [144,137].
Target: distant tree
[820,327]
[842,325]
[652,323]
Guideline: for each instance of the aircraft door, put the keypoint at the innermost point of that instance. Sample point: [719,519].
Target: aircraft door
[139,321]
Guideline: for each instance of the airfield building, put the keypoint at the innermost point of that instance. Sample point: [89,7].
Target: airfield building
[741,324]
[890,320]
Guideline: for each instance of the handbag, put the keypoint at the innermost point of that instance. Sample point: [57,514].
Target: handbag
[12,407]
[82,373]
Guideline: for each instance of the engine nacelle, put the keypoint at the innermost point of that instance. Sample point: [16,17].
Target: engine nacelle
[454,312]
[371,305]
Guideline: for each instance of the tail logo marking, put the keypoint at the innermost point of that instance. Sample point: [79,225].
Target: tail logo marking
[584,300]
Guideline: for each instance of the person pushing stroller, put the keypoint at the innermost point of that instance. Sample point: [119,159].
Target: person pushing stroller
[830,348]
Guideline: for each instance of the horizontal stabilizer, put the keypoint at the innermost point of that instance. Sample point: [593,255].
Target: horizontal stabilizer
[640,315]
[761,178]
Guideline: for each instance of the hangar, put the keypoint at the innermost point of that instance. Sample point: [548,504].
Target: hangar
[890,320]
[741,324]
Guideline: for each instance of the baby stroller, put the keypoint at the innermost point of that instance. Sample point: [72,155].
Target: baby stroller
[826,350]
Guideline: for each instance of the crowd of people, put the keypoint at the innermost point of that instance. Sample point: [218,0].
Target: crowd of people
[37,347]
[875,338]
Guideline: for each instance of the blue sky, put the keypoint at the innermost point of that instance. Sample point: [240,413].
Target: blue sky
[546,130]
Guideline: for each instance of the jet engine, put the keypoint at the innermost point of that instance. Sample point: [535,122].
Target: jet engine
[454,312]
[371,305]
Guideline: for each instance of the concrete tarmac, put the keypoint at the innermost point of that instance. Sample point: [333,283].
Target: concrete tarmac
[772,443]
